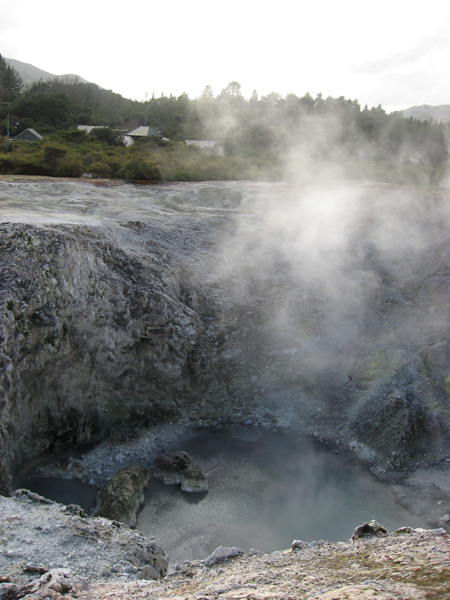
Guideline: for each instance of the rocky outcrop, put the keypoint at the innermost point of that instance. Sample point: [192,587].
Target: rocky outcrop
[399,414]
[193,480]
[179,469]
[39,535]
[122,497]
[91,336]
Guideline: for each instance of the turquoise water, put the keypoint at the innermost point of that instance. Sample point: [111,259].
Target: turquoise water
[263,493]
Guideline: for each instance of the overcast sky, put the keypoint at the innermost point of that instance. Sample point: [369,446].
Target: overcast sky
[390,52]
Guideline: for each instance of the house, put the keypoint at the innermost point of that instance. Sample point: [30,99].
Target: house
[129,136]
[28,135]
[207,145]
[145,131]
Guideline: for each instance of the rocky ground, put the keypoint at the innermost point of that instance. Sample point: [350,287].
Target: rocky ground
[38,535]
[52,552]
[404,566]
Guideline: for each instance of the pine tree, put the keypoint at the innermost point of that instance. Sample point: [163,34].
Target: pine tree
[10,82]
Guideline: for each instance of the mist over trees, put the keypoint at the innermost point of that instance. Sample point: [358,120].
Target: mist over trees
[268,137]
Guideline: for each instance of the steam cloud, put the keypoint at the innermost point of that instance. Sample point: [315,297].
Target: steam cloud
[323,273]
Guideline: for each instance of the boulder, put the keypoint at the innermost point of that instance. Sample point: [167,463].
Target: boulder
[179,469]
[371,528]
[193,480]
[122,497]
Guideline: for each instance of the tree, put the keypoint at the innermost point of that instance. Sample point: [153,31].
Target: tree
[254,97]
[107,136]
[207,93]
[11,83]
[45,110]
[233,90]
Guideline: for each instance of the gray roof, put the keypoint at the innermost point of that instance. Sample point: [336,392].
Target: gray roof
[29,134]
[143,131]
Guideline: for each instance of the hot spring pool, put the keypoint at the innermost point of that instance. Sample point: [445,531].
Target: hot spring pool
[265,489]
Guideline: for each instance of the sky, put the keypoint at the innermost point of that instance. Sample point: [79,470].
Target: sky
[391,52]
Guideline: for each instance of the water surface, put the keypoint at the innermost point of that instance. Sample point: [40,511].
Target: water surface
[266,489]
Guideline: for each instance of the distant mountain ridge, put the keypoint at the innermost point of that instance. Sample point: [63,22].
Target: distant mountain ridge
[425,111]
[30,73]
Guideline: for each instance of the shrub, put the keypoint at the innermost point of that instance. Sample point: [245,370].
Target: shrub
[107,136]
[71,166]
[54,152]
[100,169]
[140,168]
[6,164]
[30,164]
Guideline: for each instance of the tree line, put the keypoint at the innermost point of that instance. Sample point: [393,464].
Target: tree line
[262,137]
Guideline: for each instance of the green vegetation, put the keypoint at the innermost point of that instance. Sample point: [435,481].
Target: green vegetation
[270,138]
[10,82]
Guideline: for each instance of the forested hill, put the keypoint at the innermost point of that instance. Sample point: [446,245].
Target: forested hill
[265,136]
[31,74]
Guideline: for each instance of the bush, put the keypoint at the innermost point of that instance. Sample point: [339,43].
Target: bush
[30,164]
[54,152]
[100,169]
[107,136]
[71,166]
[6,164]
[73,136]
[140,169]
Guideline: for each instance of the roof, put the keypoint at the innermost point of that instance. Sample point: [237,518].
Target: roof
[143,131]
[28,134]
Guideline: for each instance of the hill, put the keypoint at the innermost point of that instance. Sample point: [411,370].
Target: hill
[30,73]
[425,111]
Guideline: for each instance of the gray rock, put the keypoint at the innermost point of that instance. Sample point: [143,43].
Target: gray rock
[298,545]
[371,528]
[179,468]
[222,553]
[193,480]
[108,322]
[58,580]
[122,497]
[58,539]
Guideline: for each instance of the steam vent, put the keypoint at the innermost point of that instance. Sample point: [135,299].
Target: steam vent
[131,314]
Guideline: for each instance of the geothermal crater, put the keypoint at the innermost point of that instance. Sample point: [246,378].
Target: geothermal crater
[319,311]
